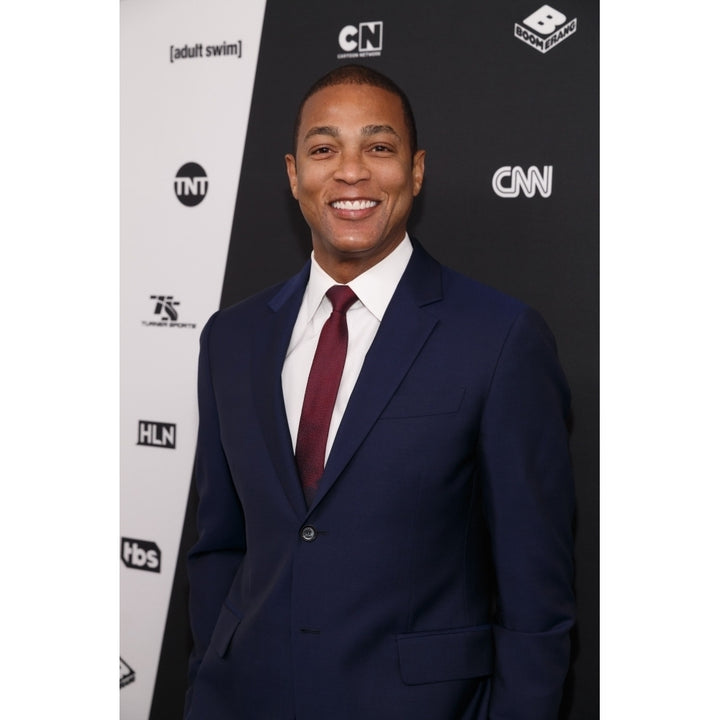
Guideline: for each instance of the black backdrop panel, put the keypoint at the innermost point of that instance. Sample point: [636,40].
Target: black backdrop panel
[483,100]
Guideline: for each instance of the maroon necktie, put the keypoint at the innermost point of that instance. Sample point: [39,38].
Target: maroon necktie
[321,391]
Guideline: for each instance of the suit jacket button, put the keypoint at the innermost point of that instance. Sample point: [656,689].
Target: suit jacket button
[308,533]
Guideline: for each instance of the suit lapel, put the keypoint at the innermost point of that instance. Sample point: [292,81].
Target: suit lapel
[406,326]
[268,359]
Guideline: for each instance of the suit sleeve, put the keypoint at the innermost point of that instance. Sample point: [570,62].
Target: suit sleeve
[220,548]
[529,503]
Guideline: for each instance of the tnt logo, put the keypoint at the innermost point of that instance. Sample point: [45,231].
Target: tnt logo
[545,29]
[363,40]
[165,307]
[191,184]
[509,181]
[156,434]
[127,674]
[140,554]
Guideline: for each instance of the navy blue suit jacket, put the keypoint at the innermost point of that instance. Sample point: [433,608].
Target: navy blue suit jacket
[432,575]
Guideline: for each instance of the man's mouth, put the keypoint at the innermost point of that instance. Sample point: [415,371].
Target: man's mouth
[353,204]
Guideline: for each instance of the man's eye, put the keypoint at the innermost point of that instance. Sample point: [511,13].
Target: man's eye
[380,148]
[320,151]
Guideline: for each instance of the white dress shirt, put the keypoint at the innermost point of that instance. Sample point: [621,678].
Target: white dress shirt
[374,289]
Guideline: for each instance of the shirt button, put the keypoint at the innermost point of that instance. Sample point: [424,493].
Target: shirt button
[308,533]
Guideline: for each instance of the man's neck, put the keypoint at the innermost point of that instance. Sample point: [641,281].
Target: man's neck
[344,269]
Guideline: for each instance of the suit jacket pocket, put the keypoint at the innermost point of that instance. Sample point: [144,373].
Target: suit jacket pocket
[457,654]
[423,400]
[225,627]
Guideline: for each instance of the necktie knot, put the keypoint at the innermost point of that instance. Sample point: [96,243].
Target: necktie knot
[341,297]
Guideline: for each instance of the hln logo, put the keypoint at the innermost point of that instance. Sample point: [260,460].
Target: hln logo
[140,554]
[156,434]
[191,184]
[545,29]
[366,38]
[529,182]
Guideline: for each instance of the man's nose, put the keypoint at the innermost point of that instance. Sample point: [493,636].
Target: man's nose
[351,167]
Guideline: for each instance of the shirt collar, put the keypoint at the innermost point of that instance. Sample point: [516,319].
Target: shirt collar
[374,288]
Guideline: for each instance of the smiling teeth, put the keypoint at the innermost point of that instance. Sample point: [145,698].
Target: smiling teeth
[353,204]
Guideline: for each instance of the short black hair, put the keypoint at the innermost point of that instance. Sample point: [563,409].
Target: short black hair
[359,75]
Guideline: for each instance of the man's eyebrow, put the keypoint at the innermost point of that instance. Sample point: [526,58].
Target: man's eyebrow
[367,131]
[370,130]
[323,130]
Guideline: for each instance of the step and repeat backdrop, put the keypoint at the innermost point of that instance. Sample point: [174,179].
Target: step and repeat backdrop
[505,94]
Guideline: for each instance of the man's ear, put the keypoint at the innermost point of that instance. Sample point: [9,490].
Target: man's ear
[418,171]
[291,167]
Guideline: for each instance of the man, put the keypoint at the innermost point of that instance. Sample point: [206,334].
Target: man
[385,494]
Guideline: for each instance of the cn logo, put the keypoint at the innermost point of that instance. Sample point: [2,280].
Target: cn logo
[191,184]
[545,28]
[156,434]
[140,554]
[165,304]
[365,38]
[509,181]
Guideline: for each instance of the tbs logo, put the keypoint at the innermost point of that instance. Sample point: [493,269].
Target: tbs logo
[140,554]
[361,41]
[191,184]
[545,29]
[509,181]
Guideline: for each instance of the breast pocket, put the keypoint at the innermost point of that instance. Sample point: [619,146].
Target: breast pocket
[421,400]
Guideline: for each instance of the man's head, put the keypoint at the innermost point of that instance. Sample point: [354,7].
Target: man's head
[356,168]
[360,75]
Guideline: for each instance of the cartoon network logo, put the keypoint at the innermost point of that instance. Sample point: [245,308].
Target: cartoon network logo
[545,29]
[362,40]
[509,181]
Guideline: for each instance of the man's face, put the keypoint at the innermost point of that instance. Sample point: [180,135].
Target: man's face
[354,176]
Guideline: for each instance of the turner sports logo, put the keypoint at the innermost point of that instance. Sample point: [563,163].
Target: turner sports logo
[545,29]
[508,181]
[127,674]
[362,40]
[140,554]
[166,312]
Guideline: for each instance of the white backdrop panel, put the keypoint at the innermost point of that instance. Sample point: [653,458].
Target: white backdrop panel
[174,110]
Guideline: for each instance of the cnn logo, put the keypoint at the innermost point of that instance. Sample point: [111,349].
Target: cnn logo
[510,181]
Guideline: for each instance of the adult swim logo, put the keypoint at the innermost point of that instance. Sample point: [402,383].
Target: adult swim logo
[127,674]
[140,554]
[362,40]
[545,29]
[198,50]
[166,313]
[508,181]
[191,184]
[156,434]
